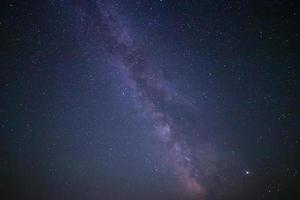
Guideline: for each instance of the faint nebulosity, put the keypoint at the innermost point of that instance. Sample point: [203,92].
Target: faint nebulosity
[156,99]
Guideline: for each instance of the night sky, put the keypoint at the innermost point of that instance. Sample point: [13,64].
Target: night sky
[149,100]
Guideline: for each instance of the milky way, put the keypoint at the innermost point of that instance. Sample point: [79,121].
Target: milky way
[150,91]
[149,100]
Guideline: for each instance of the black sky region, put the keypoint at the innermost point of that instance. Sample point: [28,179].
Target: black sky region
[149,100]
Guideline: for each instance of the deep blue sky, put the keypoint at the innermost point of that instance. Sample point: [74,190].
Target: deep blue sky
[72,126]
